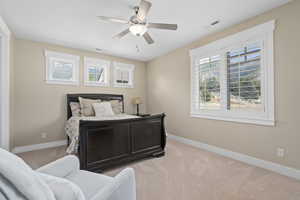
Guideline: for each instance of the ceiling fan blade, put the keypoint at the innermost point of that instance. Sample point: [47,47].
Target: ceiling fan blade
[148,38]
[144,8]
[122,34]
[163,26]
[113,19]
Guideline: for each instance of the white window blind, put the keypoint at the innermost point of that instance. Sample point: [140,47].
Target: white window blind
[244,78]
[123,75]
[62,68]
[233,78]
[61,71]
[209,82]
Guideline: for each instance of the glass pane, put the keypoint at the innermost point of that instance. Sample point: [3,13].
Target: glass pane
[209,82]
[92,77]
[62,71]
[96,74]
[244,78]
[125,76]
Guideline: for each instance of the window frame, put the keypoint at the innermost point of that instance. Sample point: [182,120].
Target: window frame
[69,58]
[264,34]
[123,66]
[98,62]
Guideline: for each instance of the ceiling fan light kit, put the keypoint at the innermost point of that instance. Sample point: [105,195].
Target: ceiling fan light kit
[138,29]
[138,25]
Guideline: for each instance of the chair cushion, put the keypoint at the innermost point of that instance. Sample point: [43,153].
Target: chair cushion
[62,188]
[20,176]
[61,167]
[89,183]
[8,192]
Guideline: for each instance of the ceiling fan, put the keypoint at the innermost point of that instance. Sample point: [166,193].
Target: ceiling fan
[138,24]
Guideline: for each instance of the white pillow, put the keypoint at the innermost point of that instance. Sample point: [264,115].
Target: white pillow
[103,109]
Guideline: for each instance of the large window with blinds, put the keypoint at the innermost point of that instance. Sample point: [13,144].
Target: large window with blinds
[232,79]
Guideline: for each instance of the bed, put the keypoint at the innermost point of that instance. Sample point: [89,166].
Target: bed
[104,144]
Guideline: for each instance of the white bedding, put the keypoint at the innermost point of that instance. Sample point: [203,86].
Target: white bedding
[72,127]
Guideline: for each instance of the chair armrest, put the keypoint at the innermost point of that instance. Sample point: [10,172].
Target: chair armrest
[61,167]
[123,187]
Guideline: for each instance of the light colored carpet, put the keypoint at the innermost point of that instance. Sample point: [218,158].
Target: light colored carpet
[188,173]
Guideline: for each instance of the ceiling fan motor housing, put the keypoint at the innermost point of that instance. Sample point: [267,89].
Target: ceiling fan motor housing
[136,9]
[138,22]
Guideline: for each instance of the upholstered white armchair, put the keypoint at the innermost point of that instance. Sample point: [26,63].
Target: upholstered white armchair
[61,180]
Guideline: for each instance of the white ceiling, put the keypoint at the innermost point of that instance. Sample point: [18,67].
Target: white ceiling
[74,23]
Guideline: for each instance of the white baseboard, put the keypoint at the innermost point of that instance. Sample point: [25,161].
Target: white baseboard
[22,149]
[281,169]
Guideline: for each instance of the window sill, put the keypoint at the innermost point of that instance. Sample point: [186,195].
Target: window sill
[265,122]
[122,86]
[62,82]
[96,84]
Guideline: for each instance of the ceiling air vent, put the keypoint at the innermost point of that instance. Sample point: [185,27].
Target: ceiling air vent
[215,23]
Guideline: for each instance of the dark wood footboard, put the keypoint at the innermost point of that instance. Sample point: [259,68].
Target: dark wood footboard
[106,144]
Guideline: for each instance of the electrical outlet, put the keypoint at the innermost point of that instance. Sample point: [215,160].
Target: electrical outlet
[44,135]
[280,152]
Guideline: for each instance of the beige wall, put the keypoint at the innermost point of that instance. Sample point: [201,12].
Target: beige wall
[41,108]
[169,91]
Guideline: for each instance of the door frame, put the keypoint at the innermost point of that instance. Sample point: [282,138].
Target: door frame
[5,35]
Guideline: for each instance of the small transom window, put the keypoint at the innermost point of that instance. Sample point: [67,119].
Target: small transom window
[62,68]
[96,72]
[123,75]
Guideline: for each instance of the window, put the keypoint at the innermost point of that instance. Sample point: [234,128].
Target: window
[62,68]
[244,78]
[96,72]
[209,82]
[232,79]
[123,75]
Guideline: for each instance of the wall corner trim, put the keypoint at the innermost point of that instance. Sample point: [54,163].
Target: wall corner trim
[22,149]
[280,169]
[4,27]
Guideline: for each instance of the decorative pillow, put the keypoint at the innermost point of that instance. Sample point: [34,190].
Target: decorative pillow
[86,106]
[75,109]
[103,109]
[20,176]
[116,106]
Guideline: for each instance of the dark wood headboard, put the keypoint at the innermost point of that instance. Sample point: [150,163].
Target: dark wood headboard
[104,97]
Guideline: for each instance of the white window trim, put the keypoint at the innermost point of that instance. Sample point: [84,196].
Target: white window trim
[5,35]
[94,61]
[66,57]
[263,32]
[130,68]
